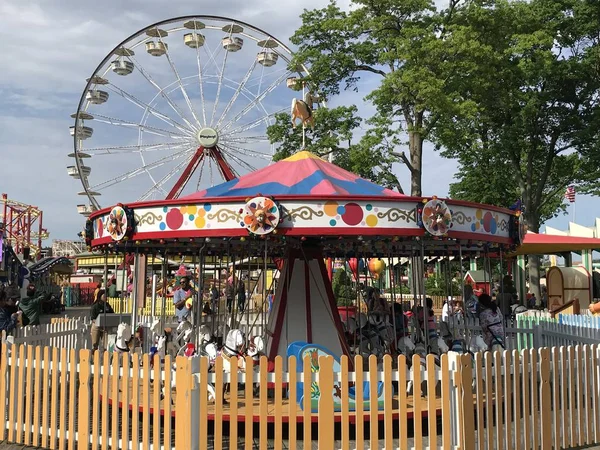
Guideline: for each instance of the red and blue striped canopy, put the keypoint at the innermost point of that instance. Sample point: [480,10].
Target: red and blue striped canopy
[301,174]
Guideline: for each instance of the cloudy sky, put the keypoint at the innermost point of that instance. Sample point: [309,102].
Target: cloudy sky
[49,49]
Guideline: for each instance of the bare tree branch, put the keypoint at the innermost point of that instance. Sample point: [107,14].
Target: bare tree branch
[404,159]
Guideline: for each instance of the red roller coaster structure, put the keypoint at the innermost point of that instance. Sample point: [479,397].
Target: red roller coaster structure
[23,226]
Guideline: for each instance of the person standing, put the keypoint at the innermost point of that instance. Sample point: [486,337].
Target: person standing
[181,297]
[214,297]
[8,317]
[112,288]
[492,323]
[31,306]
[100,306]
[241,296]
[229,294]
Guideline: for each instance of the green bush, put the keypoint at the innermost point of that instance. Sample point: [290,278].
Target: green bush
[343,290]
[436,285]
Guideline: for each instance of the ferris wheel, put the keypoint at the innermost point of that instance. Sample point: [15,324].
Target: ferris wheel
[179,106]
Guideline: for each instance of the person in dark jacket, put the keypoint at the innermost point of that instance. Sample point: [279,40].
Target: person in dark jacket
[229,294]
[31,305]
[100,306]
[241,296]
[8,318]
[214,297]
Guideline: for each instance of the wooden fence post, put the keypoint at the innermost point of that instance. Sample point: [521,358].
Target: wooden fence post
[545,399]
[456,416]
[466,393]
[184,424]
[326,409]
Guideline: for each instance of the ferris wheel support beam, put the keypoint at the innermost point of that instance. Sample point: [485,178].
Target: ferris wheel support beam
[224,167]
[186,174]
[201,153]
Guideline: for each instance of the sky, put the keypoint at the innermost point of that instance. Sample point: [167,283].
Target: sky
[49,49]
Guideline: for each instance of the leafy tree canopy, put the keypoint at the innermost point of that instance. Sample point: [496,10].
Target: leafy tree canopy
[401,43]
[534,89]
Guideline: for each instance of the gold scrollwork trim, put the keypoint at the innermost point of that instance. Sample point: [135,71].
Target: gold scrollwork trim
[396,214]
[303,212]
[461,218]
[148,218]
[224,215]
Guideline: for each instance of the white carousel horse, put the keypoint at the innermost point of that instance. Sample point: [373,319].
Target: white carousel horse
[204,334]
[184,331]
[124,337]
[406,346]
[256,346]
[477,344]
[303,110]
[442,346]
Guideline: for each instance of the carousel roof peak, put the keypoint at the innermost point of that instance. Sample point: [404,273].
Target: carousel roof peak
[302,173]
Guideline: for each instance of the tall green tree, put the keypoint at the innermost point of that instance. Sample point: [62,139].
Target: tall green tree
[533,89]
[400,42]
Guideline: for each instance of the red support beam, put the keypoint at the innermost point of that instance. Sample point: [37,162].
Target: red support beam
[224,167]
[186,174]
[201,153]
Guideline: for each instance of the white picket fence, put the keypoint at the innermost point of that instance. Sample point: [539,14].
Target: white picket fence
[538,332]
[584,321]
[72,334]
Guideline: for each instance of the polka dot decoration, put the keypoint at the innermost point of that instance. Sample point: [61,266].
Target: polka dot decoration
[330,209]
[176,217]
[350,214]
[485,221]
[371,220]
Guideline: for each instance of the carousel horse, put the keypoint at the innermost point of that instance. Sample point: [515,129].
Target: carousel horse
[124,338]
[406,346]
[477,344]
[184,335]
[303,110]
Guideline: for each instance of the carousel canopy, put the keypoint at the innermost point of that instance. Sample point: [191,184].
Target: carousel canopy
[301,174]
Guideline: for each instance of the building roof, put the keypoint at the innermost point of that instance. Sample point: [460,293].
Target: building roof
[549,244]
[478,276]
[301,174]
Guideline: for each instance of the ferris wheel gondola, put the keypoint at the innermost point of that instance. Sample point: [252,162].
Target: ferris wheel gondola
[179,106]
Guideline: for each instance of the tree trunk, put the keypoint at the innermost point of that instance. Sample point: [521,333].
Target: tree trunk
[415,146]
[533,224]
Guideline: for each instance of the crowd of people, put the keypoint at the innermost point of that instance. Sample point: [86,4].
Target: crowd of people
[16,310]
[477,305]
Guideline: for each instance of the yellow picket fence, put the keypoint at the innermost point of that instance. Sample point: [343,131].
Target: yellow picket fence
[124,306]
[66,399]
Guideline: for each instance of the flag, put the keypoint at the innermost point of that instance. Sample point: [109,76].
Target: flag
[570,194]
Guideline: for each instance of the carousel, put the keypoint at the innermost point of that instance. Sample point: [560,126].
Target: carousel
[257,248]
[295,215]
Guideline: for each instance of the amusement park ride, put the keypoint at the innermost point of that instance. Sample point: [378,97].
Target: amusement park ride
[22,227]
[161,130]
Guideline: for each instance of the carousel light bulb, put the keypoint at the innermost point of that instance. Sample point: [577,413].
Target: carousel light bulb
[137,242]
[242,239]
[162,241]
